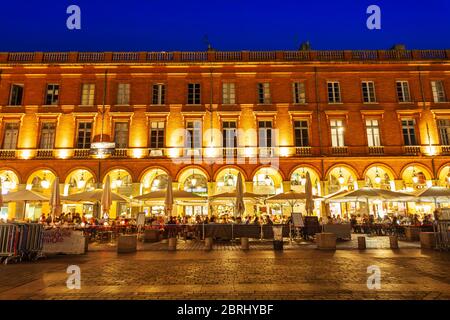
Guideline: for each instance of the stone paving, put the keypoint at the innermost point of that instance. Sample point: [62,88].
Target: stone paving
[233,274]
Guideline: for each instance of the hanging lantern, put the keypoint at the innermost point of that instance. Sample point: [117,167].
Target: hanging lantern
[193,181]
[81,183]
[303,178]
[7,183]
[415,178]
[341,178]
[119,181]
[267,180]
[45,183]
[230,180]
[377,177]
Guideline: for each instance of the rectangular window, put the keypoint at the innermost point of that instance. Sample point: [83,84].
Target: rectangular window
[264,93]
[337,133]
[228,93]
[123,94]
[368,91]
[229,134]
[334,92]
[437,87]
[373,133]
[301,133]
[52,94]
[403,94]
[265,134]
[48,132]
[121,135]
[444,131]
[409,132]
[16,95]
[193,134]
[11,133]
[157,134]
[84,134]
[298,90]
[159,94]
[87,94]
[194,94]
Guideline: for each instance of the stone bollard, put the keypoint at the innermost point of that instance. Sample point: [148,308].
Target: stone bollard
[326,241]
[86,244]
[172,244]
[244,243]
[127,244]
[427,240]
[208,243]
[393,241]
[362,243]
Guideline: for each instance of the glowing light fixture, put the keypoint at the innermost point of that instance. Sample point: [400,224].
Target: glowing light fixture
[209,152]
[377,177]
[415,178]
[118,181]
[341,178]
[81,183]
[45,183]
[193,179]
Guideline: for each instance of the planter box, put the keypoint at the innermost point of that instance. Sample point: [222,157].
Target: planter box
[326,241]
[172,244]
[427,240]
[412,233]
[277,245]
[127,244]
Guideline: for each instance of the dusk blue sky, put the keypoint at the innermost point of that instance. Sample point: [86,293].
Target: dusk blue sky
[165,25]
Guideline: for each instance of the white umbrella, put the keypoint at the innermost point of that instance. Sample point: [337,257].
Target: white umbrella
[434,194]
[239,207]
[309,202]
[93,196]
[25,196]
[168,201]
[55,199]
[160,196]
[1,193]
[365,194]
[106,196]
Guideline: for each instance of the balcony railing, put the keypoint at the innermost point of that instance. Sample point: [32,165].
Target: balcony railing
[376,150]
[8,154]
[120,153]
[219,152]
[445,150]
[44,154]
[303,151]
[266,152]
[339,151]
[81,153]
[411,150]
[231,56]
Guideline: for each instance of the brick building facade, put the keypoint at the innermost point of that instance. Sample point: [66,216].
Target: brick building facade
[350,118]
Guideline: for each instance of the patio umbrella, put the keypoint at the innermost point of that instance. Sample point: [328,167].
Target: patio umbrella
[366,194]
[309,204]
[290,197]
[160,196]
[93,196]
[55,199]
[168,201]
[434,194]
[106,196]
[24,196]
[230,196]
[239,207]
[1,193]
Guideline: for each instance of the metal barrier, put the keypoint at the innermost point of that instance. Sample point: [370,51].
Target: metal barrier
[441,229]
[20,241]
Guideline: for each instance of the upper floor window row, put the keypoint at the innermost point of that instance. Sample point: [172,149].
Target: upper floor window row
[158,92]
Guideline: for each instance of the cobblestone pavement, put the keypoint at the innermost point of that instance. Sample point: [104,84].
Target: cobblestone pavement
[231,274]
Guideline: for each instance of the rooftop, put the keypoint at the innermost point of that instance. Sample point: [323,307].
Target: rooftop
[225,56]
